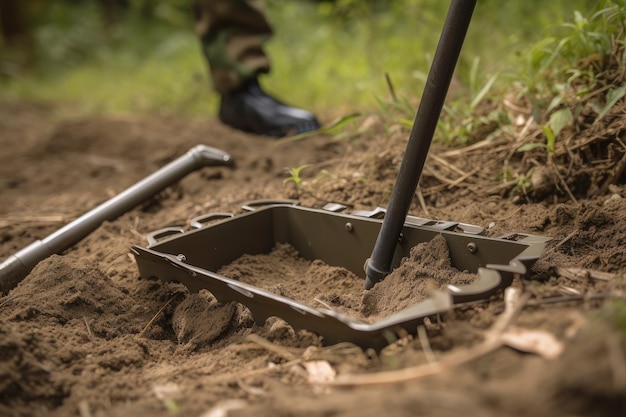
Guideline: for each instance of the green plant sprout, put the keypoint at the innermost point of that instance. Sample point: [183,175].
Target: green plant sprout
[295,175]
[612,97]
[523,183]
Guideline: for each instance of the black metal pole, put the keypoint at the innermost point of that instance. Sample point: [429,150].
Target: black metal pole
[446,56]
[18,266]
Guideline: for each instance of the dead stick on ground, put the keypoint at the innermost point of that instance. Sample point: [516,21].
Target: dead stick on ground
[6,300]
[568,298]
[463,151]
[323,303]
[448,165]
[459,180]
[577,273]
[563,183]
[442,178]
[562,242]
[509,216]
[241,375]
[525,129]
[6,222]
[420,198]
[493,340]
[270,347]
[152,320]
[423,338]
[87,326]
[618,170]
[509,104]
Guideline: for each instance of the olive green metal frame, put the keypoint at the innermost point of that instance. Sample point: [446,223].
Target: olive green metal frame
[338,239]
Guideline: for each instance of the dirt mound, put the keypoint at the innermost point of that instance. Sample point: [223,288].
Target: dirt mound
[67,291]
[52,320]
[427,269]
[199,320]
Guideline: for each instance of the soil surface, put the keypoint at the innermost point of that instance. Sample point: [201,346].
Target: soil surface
[84,335]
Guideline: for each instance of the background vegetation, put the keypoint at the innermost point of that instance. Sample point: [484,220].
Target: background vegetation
[328,56]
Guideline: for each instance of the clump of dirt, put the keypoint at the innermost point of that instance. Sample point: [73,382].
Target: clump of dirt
[68,291]
[428,268]
[25,366]
[199,320]
[52,321]
[589,386]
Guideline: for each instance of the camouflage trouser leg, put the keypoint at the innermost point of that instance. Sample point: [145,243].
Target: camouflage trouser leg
[232,33]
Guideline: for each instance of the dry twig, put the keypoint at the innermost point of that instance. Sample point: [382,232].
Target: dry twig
[271,347]
[567,298]
[249,389]
[87,326]
[438,176]
[580,273]
[563,183]
[462,178]
[423,338]
[618,170]
[235,376]
[12,220]
[153,319]
[562,242]
[328,307]
[493,340]
[420,198]
[448,165]
[6,300]
[474,147]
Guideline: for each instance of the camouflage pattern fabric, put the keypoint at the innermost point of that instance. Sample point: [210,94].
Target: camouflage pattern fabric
[232,33]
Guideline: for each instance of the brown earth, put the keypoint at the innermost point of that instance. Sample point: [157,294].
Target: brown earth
[84,335]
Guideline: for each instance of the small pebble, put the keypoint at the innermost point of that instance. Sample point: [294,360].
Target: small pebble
[612,198]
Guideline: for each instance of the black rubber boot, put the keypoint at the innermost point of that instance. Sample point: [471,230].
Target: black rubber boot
[252,110]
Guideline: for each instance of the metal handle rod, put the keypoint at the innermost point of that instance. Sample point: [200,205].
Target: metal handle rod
[18,266]
[437,84]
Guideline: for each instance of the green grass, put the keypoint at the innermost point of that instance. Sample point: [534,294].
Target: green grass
[166,74]
[125,86]
[330,59]
[339,63]
[565,72]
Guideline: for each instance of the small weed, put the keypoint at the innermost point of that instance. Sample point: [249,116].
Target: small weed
[523,183]
[294,175]
[612,97]
[558,120]
[564,72]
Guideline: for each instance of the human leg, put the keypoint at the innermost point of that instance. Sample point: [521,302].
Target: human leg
[232,33]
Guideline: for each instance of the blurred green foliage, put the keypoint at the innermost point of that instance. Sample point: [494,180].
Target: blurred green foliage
[328,56]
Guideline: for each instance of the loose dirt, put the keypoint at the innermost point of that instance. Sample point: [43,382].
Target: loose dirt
[84,335]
